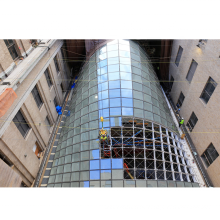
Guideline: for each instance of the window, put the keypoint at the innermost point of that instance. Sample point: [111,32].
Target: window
[55,102]
[171,82]
[56,64]
[178,57]
[21,123]
[5,159]
[181,99]
[12,49]
[37,150]
[208,90]
[47,75]
[209,155]
[47,121]
[37,97]
[192,70]
[61,84]
[192,121]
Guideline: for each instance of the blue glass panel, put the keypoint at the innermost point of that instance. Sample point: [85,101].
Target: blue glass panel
[94,154]
[102,50]
[113,60]
[127,111]
[114,84]
[125,60]
[127,102]
[104,70]
[116,121]
[86,184]
[117,163]
[113,76]
[113,68]
[114,93]
[103,56]
[102,63]
[106,164]
[106,123]
[126,93]
[126,76]
[124,54]
[94,164]
[115,111]
[125,68]
[113,53]
[104,113]
[103,103]
[126,84]
[102,86]
[102,78]
[112,47]
[94,175]
[115,102]
[98,72]
[103,95]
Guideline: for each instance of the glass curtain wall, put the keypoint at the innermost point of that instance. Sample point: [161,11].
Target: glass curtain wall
[119,84]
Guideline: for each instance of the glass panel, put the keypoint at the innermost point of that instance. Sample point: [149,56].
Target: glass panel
[127,102]
[85,155]
[106,183]
[138,113]
[126,84]
[115,102]
[106,164]
[126,93]
[115,121]
[84,184]
[114,93]
[141,183]
[94,175]
[151,183]
[94,164]
[94,154]
[125,60]
[125,75]
[117,163]
[106,174]
[94,183]
[124,54]
[115,111]
[129,183]
[125,68]
[103,104]
[84,175]
[117,183]
[113,68]
[75,184]
[127,111]
[162,184]
[75,176]
[114,84]
[113,76]
[112,47]
[85,165]
[112,54]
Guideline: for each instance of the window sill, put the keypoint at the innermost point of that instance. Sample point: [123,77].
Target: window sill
[51,88]
[203,103]
[41,107]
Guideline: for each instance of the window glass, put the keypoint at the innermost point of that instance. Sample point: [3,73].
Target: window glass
[103,95]
[95,175]
[102,86]
[84,184]
[138,113]
[75,176]
[103,70]
[124,54]
[113,60]
[125,68]
[113,68]
[125,76]
[148,115]
[116,121]
[127,111]
[113,76]
[126,93]
[75,167]
[138,95]
[93,115]
[148,106]
[115,102]
[104,113]
[94,154]
[103,50]
[112,54]
[137,86]
[106,174]
[112,47]
[117,174]
[94,164]
[125,60]
[114,93]
[93,107]
[127,102]
[115,111]
[126,84]
[117,183]
[138,103]
[114,84]
[103,104]
[106,164]
[84,175]
[102,78]
[103,56]
[117,163]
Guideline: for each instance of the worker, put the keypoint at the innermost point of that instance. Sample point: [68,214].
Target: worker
[181,122]
[59,108]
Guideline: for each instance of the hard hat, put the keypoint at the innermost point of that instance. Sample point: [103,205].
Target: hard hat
[182,118]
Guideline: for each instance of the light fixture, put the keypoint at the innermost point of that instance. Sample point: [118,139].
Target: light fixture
[96,96]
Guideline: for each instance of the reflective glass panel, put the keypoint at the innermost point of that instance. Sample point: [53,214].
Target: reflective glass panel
[117,163]
[127,111]
[106,164]
[126,93]
[113,76]
[94,164]
[94,175]
[114,93]
[127,102]
[126,84]
[113,68]
[115,102]
[114,84]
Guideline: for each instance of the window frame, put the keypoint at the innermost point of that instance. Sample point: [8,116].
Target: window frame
[56,64]
[207,157]
[191,124]
[35,96]
[48,78]
[19,124]
[214,84]
[10,46]
[178,56]
[189,71]
[180,102]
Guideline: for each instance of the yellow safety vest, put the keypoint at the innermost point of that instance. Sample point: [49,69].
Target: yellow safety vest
[181,122]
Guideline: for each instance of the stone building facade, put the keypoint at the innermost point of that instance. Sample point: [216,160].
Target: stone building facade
[35,70]
[194,72]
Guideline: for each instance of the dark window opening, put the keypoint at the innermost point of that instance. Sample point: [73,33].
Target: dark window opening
[5,159]
[178,57]
[21,123]
[11,48]
[180,100]
[209,155]
[55,102]
[208,90]
[56,64]
[192,70]
[192,121]
[47,75]
[37,97]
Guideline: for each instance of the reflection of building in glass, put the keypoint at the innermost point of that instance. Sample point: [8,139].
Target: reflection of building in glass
[119,83]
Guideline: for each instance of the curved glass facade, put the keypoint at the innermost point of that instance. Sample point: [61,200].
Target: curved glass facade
[119,83]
